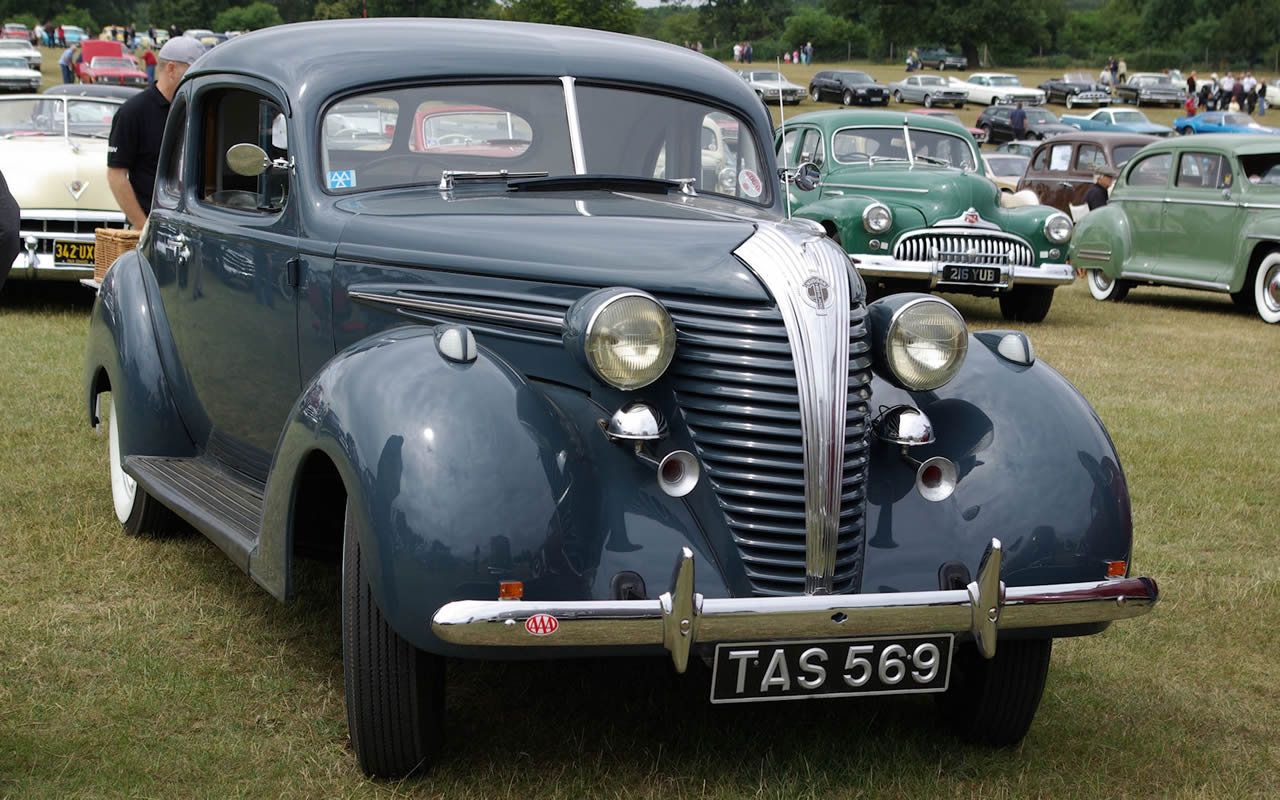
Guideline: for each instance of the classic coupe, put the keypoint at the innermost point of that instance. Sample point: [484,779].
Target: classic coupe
[21,47]
[538,402]
[1215,226]
[997,121]
[16,75]
[1221,122]
[769,86]
[1076,89]
[1063,169]
[53,154]
[928,90]
[1115,120]
[849,87]
[1151,88]
[940,58]
[117,70]
[907,198]
[16,30]
[989,88]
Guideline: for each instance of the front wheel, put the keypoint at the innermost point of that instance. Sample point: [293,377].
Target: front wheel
[1070,103]
[993,701]
[1026,303]
[1185,130]
[394,691]
[897,97]
[1266,289]
[139,513]
[814,94]
[1105,288]
[847,98]
[928,101]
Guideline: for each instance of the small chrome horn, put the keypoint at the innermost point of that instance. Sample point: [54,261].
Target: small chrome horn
[678,473]
[936,478]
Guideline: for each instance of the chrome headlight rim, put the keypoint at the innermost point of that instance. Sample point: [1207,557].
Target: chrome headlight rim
[590,328]
[942,377]
[866,218]
[1048,228]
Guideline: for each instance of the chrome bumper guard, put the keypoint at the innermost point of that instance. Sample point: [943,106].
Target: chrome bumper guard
[681,618]
[880,266]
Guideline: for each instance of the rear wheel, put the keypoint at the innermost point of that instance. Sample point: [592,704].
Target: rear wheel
[1266,288]
[993,701]
[1026,303]
[138,512]
[1103,287]
[394,691]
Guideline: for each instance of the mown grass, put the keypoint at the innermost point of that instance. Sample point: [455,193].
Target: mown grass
[134,668]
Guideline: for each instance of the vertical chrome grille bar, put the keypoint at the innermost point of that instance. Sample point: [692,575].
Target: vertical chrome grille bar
[808,276]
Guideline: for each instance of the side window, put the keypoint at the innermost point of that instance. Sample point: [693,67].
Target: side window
[1090,158]
[1151,171]
[1040,160]
[811,147]
[1060,158]
[236,116]
[1203,170]
[786,151]
[169,179]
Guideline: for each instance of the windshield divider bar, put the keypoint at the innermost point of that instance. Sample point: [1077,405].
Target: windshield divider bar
[575,126]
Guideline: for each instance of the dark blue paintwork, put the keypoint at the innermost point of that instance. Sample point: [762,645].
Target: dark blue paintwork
[463,475]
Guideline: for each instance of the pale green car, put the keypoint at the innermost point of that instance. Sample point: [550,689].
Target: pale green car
[1198,212]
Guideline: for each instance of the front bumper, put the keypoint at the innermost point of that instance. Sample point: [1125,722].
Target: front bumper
[682,618]
[884,266]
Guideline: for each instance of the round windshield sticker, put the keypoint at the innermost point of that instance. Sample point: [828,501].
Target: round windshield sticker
[750,183]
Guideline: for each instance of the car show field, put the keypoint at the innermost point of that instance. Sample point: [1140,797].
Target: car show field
[429,483]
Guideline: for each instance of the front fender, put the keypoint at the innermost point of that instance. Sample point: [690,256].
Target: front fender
[463,475]
[122,356]
[1037,470]
[1101,241]
[845,213]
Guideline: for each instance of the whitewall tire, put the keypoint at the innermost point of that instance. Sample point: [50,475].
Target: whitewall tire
[124,489]
[1266,289]
[1105,288]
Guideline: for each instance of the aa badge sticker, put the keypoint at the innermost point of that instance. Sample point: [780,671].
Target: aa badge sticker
[541,625]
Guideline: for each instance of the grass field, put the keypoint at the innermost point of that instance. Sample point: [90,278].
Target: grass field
[133,668]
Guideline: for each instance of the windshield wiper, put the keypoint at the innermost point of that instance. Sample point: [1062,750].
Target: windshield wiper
[595,180]
[931,160]
[449,177]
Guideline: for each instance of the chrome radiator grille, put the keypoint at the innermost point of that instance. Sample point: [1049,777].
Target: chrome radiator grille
[736,386]
[982,249]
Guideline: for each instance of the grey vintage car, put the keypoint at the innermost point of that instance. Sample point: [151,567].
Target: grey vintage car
[770,85]
[928,90]
[540,402]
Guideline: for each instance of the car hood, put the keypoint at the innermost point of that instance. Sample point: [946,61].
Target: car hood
[938,193]
[776,85]
[1050,128]
[125,71]
[1143,127]
[11,74]
[43,171]
[657,243]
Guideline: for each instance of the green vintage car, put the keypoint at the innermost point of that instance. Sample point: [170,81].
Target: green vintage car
[905,196]
[1198,212]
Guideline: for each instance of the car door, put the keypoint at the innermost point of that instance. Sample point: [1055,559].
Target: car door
[1001,126]
[231,303]
[1202,221]
[1146,184]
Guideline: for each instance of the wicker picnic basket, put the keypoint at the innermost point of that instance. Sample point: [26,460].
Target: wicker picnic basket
[110,244]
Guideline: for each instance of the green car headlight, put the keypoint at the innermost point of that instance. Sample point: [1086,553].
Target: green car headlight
[1057,228]
[625,336]
[877,218]
[921,341]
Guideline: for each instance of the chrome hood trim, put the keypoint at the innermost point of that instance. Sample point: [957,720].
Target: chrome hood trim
[808,276]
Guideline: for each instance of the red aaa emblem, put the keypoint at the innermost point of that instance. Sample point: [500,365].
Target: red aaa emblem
[542,625]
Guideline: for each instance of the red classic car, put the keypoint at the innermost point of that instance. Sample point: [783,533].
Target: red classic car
[15,30]
[107,62]
[942,113]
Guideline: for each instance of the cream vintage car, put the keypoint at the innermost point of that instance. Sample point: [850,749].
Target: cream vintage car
[53,153]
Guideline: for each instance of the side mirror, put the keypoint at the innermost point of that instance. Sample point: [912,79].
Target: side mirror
[247,159]
[807,177]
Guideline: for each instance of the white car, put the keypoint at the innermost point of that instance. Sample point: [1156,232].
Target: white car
[769,84]
[989,88]
[16,75]
[21,47]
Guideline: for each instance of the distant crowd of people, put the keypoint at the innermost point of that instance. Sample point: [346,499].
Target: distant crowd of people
[1232,92]
[743,53]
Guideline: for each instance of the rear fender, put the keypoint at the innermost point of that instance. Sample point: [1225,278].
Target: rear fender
[1101,241]
[1261,234]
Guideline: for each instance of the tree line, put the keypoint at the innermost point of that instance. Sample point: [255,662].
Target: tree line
[1149,34]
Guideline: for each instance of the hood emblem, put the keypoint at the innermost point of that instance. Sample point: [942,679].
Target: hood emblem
[818,292]
[77,188]
[971,217]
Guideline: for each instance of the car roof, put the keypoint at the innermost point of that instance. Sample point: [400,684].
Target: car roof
[1238,143]
[1104,137]
[96,91]
[843,118]
[425,48]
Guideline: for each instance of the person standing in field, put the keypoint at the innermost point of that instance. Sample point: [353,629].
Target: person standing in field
[1018,120]
[149,59]
[68,64]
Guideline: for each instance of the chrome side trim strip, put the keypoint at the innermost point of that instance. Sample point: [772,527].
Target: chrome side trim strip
[1182,202]
[808,276]
[462,309]
[681,618]
[1170,280]
[1097,255]
[575,126]
[874,188]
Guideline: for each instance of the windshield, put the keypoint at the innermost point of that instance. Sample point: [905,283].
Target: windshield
[13,63]
[10,44]
[1077,77]
[863,145]
[1127,117]
[1262,169]
[1003,80]
[1007,166]
[768,76]
[1123,152]
[408,136]
[111,62]
[1040,115]
[46,117]
[1242,120]
[930,80]
[856,77]
[1153,80]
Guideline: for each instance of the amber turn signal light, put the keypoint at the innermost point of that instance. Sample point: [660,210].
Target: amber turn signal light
[1117,569]
[510,590]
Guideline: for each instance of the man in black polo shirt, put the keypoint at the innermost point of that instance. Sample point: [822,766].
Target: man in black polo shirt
[1100,192]
[133,153]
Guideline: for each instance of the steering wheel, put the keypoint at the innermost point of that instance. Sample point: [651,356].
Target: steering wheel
[855,154]
[454,138]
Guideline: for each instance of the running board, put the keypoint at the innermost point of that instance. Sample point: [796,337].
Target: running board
[221,504]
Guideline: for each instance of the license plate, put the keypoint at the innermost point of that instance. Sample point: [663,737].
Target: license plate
[762,671]
[73,253]
[956,273]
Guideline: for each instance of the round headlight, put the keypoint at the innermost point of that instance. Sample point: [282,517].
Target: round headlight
[926,343]
[728,180]
[630,340]
[1057,228]
[877,218]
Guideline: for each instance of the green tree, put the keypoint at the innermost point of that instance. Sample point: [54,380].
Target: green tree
[184,13]
[252,17]
[74,15]
[832,37]
[608,15]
